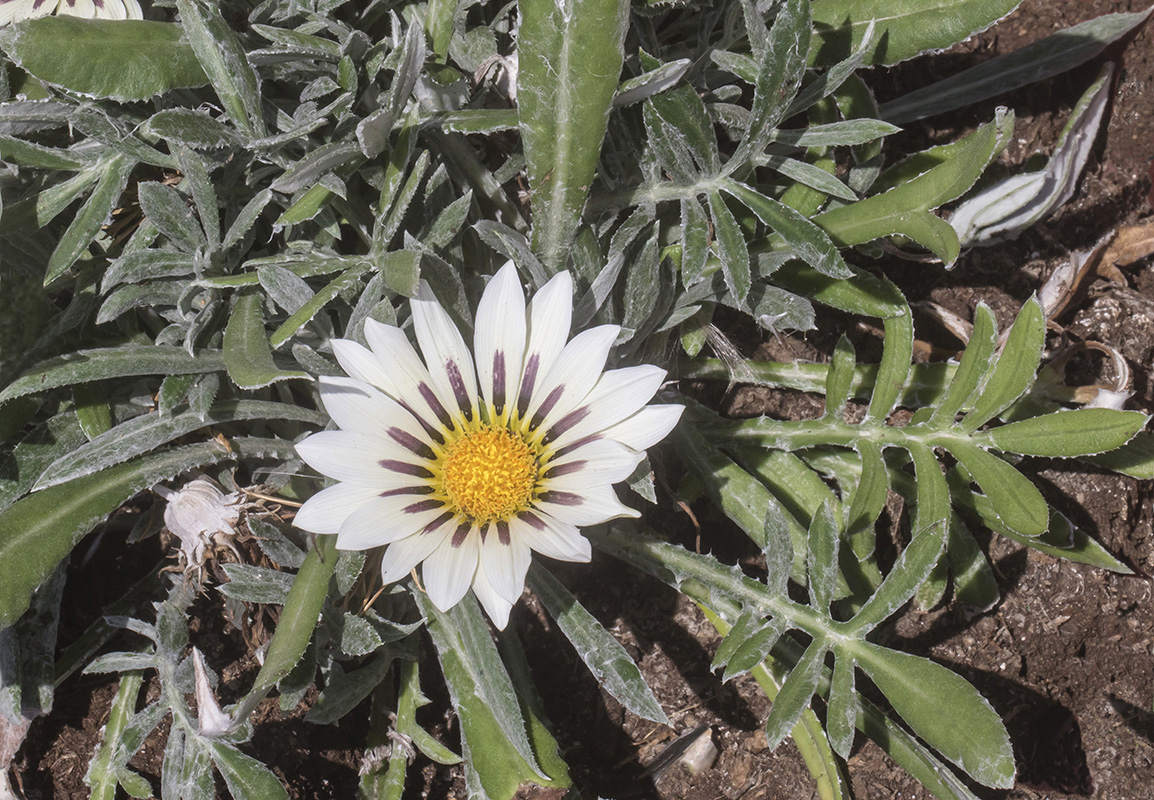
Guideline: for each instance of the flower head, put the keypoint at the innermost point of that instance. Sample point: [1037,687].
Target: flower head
[466,463]
[16,10]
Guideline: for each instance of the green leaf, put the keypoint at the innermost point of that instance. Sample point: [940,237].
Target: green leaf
[1078,432]
[171,214]
[118,59]
[904,28]
[223,59]
[40,530]
[344,692]
[1031,63]
[192,128]
[254,584]
[802,237]
[731,248]
[246,778]
[1016,368]
[869,496]
[905,209]
[779,74]
[29,154]
[1136,459]
[570,54]
[795,694]
[85,366]
[495,741]
[247,354]
[301,316]
[149,431]
[909,572]
[1012,495]
[894,369]
[602,654]
[824,539]
[944,710]
[841,710]
[974,365]
[113,177]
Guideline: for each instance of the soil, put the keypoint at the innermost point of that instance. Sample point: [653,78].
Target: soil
[1066,657]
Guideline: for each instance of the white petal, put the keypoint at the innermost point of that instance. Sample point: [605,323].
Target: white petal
[645,428]
[573,375]
[448,571]
[505,565]
[405,371]
[551,537]
[364,365]
[619,393]
[447,358]
[364,460]
[550,316]
[591,506]
[132,9]
[402,556]
[355,406]
[385,520]
[599,463]
[495,606]
[499,338]
[327,510]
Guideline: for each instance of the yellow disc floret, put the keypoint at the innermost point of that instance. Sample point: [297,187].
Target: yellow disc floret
[489,473]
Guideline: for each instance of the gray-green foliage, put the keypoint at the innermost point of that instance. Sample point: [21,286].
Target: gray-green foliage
[194,208]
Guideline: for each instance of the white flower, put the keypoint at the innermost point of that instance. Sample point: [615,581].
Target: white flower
[466,471]
[16,10]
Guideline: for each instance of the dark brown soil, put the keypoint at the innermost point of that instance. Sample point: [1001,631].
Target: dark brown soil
[1067,657]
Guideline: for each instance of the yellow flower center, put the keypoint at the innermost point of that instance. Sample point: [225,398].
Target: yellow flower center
[489,473]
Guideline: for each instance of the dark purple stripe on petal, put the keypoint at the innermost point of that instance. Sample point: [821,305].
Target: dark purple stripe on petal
[438,522]
[457,381]
[410,442]
[546,407]
[461,534]
[499,381]
[403,490]
[528,379]
[429,429]
[435,405]
[422,506]
[565,423]
[563,469]
[562,498]
[503,532]
[532,520]
[569,448]
[415,470]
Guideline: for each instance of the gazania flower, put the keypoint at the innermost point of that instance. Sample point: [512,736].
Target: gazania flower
[16,10]
[465,463]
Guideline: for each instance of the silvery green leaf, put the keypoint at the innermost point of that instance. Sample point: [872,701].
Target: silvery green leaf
[256,584]
[795,694]
[358,637]
[811,175]
[203,193]
[222,57]
[19,117]
[245,777]
[449,222]
[43,445]
[512,245]
[602,654]
[274,544]
[650,83]
[1028,64]
[171,214]
[148,431]
[287,289]
[121,662]
[158,294]
[186,773]
[85,227]
[146,265]
[346,691]
[27,668]
[247,353]
[192,128]
[316,164]
[349,565]
[1011,206]
[732,249]
[832,134]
